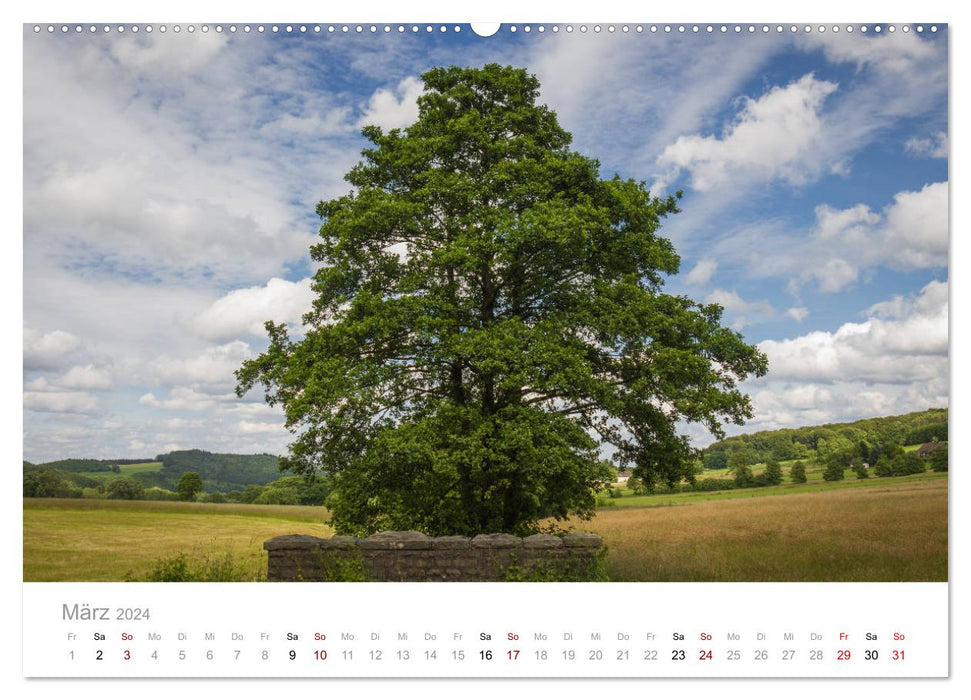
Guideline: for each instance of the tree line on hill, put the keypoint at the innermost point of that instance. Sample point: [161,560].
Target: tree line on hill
[39,482]
[865,439]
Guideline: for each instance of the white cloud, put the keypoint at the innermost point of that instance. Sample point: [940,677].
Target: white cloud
[651,92]
[60,402]
[797,313]
[246,426]
[895,361]
[332,122]
[167,56]
[775,136]
[182,398]
[49,350]
[210,372]
[87,378]
[243,312]
[844,245]
[904,340]
[935,147]
[393,108]
[899,75]
[742,312]
[161,168]
[701,273]
[916,233]
[896,55]
[910,234]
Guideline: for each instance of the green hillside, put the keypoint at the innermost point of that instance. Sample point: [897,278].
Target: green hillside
[867,438]
[219,472]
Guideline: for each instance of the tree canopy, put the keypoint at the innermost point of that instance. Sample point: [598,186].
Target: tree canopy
[489,316]
[190,483]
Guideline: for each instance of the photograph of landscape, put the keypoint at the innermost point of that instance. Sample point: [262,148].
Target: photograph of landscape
[687,291]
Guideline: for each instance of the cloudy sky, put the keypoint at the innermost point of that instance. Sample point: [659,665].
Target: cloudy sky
[170,182]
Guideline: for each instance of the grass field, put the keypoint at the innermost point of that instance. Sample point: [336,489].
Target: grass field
[100,540]
[892,529]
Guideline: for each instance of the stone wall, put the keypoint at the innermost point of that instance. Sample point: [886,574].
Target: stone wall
[413,556]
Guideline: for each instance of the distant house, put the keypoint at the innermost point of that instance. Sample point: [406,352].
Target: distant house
[925,449]
[623,475]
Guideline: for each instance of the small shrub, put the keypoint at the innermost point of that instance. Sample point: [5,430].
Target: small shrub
[181,569]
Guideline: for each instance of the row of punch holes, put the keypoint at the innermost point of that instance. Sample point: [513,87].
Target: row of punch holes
[428,28]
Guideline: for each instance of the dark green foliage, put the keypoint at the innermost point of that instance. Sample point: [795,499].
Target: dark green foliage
[250,493]
[638,486]
[46,483]
[214,497]
[89,465]
[834,471]
[908,463]
[125,488]
[569,570]
[857,466]
[189,485]
[219,472]
[862,438]
[938,458]
[935,432]
[743,476]
[710,485]
[772,476]
[715,459]
[457,388]
[154,493]
[883,467]
[798,473]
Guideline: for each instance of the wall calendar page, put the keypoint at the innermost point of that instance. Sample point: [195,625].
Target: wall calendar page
[524,350]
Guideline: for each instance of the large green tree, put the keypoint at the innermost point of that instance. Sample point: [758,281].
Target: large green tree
[489,313]
[190,483]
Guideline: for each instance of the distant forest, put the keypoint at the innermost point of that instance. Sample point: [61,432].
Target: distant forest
[219,472]
[867,439]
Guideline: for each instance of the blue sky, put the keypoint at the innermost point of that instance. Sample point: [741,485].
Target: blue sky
[170,182]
